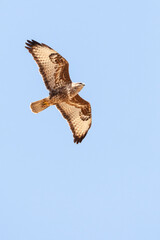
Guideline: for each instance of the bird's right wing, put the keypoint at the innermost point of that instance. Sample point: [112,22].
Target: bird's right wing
[52,66]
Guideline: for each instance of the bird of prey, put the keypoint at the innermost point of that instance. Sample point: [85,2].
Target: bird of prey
[63,93]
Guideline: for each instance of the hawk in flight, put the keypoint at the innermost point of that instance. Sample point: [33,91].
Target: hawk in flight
[63,93]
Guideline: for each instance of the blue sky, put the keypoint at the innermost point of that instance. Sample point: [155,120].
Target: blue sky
[107,187]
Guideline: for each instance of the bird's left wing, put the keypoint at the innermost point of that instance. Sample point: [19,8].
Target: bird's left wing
[78,114]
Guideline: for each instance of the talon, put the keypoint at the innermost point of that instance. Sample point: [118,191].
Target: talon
[45,103]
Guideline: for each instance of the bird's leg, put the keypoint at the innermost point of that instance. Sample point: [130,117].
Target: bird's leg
[46,103]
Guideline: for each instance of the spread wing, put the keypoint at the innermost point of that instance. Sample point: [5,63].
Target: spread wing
[78,114]
[52,66]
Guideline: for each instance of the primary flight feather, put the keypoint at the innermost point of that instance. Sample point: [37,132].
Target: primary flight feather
[62,92]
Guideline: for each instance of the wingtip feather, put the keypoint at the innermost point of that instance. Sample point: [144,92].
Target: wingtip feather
[31,43]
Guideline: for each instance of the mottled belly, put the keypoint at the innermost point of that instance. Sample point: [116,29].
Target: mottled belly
[58,98]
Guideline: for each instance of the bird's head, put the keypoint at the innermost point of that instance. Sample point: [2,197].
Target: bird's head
[80,85]
[76,88]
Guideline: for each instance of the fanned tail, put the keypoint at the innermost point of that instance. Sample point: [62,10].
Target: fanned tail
[40,105]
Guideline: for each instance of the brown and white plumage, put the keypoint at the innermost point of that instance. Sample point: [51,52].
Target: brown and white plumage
[52,66]
[78,114]
[63,93]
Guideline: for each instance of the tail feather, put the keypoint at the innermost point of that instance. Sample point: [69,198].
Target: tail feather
[40,105]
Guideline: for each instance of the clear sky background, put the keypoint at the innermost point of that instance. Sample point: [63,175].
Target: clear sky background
[107,187]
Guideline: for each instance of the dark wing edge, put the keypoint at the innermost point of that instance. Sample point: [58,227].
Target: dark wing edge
[32,43]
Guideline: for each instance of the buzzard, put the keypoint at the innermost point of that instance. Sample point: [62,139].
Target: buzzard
[63,93]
